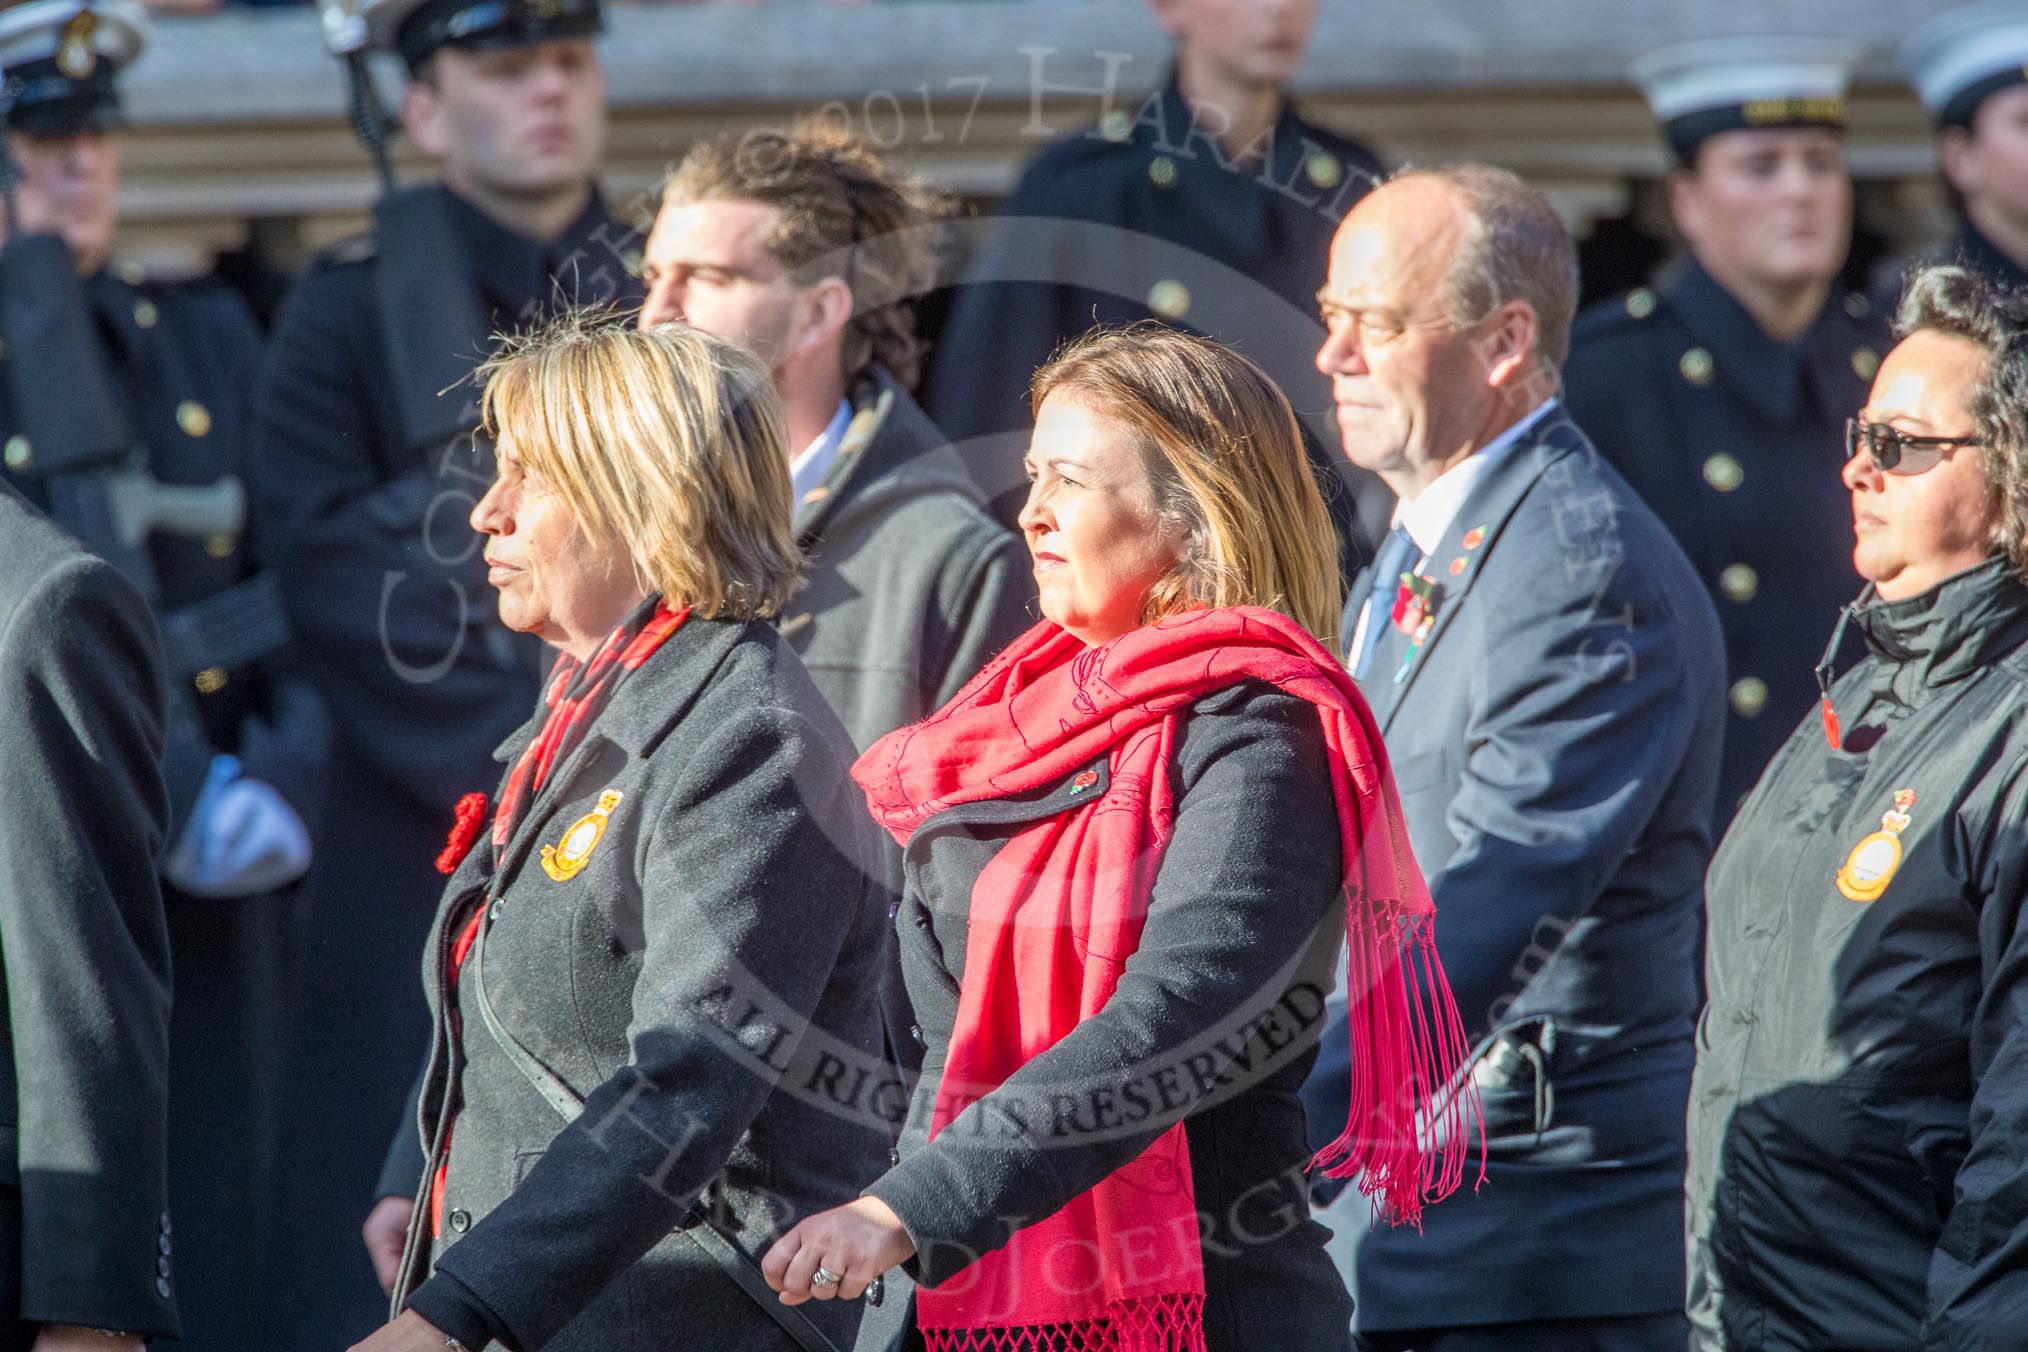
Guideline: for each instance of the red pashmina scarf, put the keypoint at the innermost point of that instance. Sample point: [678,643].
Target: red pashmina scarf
[1059,910]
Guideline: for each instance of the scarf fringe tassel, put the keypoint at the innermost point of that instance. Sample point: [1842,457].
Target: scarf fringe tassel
[1169,1323]
[1404,1136]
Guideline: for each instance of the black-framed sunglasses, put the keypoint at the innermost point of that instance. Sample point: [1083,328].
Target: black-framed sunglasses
[1895,451]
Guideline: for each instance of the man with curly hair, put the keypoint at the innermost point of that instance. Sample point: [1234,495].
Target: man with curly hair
[805,247]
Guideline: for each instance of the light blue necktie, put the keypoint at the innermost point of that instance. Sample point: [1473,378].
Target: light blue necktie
[1397,552]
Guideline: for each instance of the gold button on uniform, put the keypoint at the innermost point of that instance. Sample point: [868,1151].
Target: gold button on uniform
[1169,299]
[1865,362]
[220,544]
[1724,473]
[1162,170]
[18,452]
[1323,169]
[1116,125]
[1748,696]
[1640,302]
[1697,366]
[132,273]
[145,313]
[1739,583]
[209,681]
[194,418]
[1857,305]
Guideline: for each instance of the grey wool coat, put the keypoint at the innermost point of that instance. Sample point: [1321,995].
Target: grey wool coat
[911,586]
[84,1036]
[706,981]
[1214,1022]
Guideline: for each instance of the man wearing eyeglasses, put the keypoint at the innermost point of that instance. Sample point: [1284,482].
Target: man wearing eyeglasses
[1720,391]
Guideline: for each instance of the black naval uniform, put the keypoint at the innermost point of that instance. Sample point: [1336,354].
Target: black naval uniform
[1736,441]
[1980,254]
[1969,248]
[107,379]
[367,479]
[1143,217]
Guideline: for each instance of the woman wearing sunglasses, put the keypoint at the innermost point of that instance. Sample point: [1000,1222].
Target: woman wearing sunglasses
[1858,1173]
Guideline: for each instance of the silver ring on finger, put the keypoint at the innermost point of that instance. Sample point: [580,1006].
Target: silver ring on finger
[823,1276]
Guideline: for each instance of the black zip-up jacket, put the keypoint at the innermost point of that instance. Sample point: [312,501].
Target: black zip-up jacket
[1858,1171]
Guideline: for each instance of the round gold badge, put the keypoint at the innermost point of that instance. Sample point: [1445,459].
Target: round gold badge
[1697,366]
[565,859]
[1870,866]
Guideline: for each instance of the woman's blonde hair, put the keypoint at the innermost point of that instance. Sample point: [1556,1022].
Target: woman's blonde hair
[666,443]
[1225,457]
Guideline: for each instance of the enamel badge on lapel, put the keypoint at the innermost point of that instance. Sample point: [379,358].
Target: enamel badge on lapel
[1873,861]
[1414,614]
[562,861]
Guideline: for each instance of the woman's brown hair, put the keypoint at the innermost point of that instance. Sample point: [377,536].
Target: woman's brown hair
[1225,458]
[668,443]
[1948,299]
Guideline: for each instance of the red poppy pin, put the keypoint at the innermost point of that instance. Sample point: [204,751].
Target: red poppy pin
[1415,607]
[468,820]
[1084,780]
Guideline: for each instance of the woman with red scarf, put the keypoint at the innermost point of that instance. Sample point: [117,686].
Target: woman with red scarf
[1141,846]
[657,953]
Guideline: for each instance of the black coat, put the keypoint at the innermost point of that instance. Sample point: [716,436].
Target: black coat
[90,369]
[1245,918]
[1555,743]
[707,983]
[84,953]
[1145,216]
[383,578]
[1736,441]
[1860,1111]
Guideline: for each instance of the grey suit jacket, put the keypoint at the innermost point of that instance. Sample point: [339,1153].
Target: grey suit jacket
[84,1234]
[1556,743]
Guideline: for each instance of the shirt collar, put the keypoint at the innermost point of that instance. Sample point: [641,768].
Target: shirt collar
[814,461]
[1430,515]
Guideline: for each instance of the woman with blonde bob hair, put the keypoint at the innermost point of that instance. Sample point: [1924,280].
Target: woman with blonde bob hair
[663,896]
[1138,846]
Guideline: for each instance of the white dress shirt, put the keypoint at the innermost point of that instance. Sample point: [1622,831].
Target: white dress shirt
[809,467]
[1429,516]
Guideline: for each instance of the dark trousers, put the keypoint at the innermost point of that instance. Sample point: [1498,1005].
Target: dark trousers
[1630,1333]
